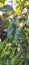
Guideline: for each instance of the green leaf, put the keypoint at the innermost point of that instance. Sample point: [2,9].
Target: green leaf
[14,61]
[6,8]
[12,27]
[19,34]
[18,0]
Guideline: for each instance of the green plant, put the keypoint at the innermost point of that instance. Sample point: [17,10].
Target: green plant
[15,49]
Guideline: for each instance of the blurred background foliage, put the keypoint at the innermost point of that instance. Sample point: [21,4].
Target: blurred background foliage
[2,1]
[14,32]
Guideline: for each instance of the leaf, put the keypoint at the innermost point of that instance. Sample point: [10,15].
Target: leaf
[14,61]
[12,27]
[18,9]
[18,1]
[6,8]
[19,34]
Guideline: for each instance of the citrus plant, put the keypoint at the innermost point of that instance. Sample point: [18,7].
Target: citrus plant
[14,48]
